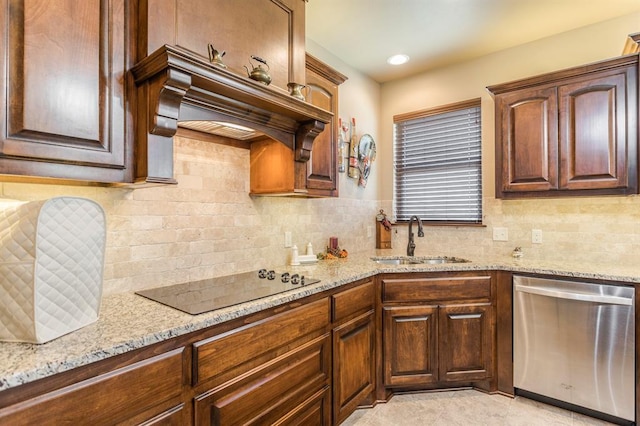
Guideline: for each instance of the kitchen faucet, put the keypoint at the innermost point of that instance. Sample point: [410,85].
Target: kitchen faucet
[411,247]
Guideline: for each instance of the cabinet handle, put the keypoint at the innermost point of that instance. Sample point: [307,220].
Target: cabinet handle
[425,318]
[583,297]
[465,316]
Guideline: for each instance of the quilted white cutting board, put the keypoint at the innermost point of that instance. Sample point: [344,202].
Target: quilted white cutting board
[51,267]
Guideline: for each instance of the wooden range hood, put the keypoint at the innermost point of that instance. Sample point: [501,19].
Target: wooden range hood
[174,84]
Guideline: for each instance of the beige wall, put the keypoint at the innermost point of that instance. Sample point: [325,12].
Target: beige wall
[602,228]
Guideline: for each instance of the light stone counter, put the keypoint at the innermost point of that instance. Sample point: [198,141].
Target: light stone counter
[128,321]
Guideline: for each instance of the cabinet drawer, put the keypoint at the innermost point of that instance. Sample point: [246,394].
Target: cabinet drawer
[241,349]
[133,391]
[353,301]
[274,392]
[437,289]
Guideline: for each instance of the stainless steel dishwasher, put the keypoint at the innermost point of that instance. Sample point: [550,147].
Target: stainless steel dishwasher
[575,342]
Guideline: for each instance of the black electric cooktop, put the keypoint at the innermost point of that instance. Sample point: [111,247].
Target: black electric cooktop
[198,297]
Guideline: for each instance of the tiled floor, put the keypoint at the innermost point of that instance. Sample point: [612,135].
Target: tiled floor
[465,407]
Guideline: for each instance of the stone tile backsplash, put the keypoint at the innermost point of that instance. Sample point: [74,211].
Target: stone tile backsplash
[592,229]
[208,225]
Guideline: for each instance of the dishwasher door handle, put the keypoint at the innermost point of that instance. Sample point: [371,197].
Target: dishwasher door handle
[584,297]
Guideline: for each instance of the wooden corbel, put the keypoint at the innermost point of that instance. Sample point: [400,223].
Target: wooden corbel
[166,92]
[305,135]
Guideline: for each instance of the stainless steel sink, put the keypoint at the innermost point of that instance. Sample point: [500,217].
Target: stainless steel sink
[406,260]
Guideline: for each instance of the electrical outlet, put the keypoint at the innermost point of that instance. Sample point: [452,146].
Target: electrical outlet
[500,234]
[369,231]
[287,239]
[536,236]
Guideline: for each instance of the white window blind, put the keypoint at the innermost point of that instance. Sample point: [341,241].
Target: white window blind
[438,164]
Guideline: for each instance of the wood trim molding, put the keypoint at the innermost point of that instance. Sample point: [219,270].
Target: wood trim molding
[319,67]
[554,77]
[632,44]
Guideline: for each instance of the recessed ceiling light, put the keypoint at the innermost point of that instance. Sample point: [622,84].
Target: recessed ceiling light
[398,59]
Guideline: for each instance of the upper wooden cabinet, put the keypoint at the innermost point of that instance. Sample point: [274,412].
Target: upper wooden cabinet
[322,91]
[271,29]
[63,67]
[274,169]
[572,132]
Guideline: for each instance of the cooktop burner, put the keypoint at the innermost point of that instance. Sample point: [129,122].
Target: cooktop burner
[198,297]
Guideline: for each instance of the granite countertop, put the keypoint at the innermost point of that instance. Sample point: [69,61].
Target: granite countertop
[128,321]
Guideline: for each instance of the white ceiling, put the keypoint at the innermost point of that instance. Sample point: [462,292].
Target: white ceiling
[434,33]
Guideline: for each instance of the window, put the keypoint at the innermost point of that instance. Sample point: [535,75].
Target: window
[437,164]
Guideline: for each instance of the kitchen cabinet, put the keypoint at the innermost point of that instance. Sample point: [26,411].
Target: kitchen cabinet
[354,332]
[146,391]
[277,392]
[271,371]
[65,67]
[322,91]
[270,29]
[274,169]
[438,330]
[571,132]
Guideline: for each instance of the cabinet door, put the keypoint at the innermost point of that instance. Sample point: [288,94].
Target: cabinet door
[66,65]
[466,342]
[321,171]
[410,345]
[527,140]
[594,133]
[353,364]
[275,392]
[322,91]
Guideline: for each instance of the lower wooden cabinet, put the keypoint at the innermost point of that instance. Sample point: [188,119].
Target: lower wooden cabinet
[276,392]
[437,330]
[148,391]
[354,336]
[270,371]
[353,364]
